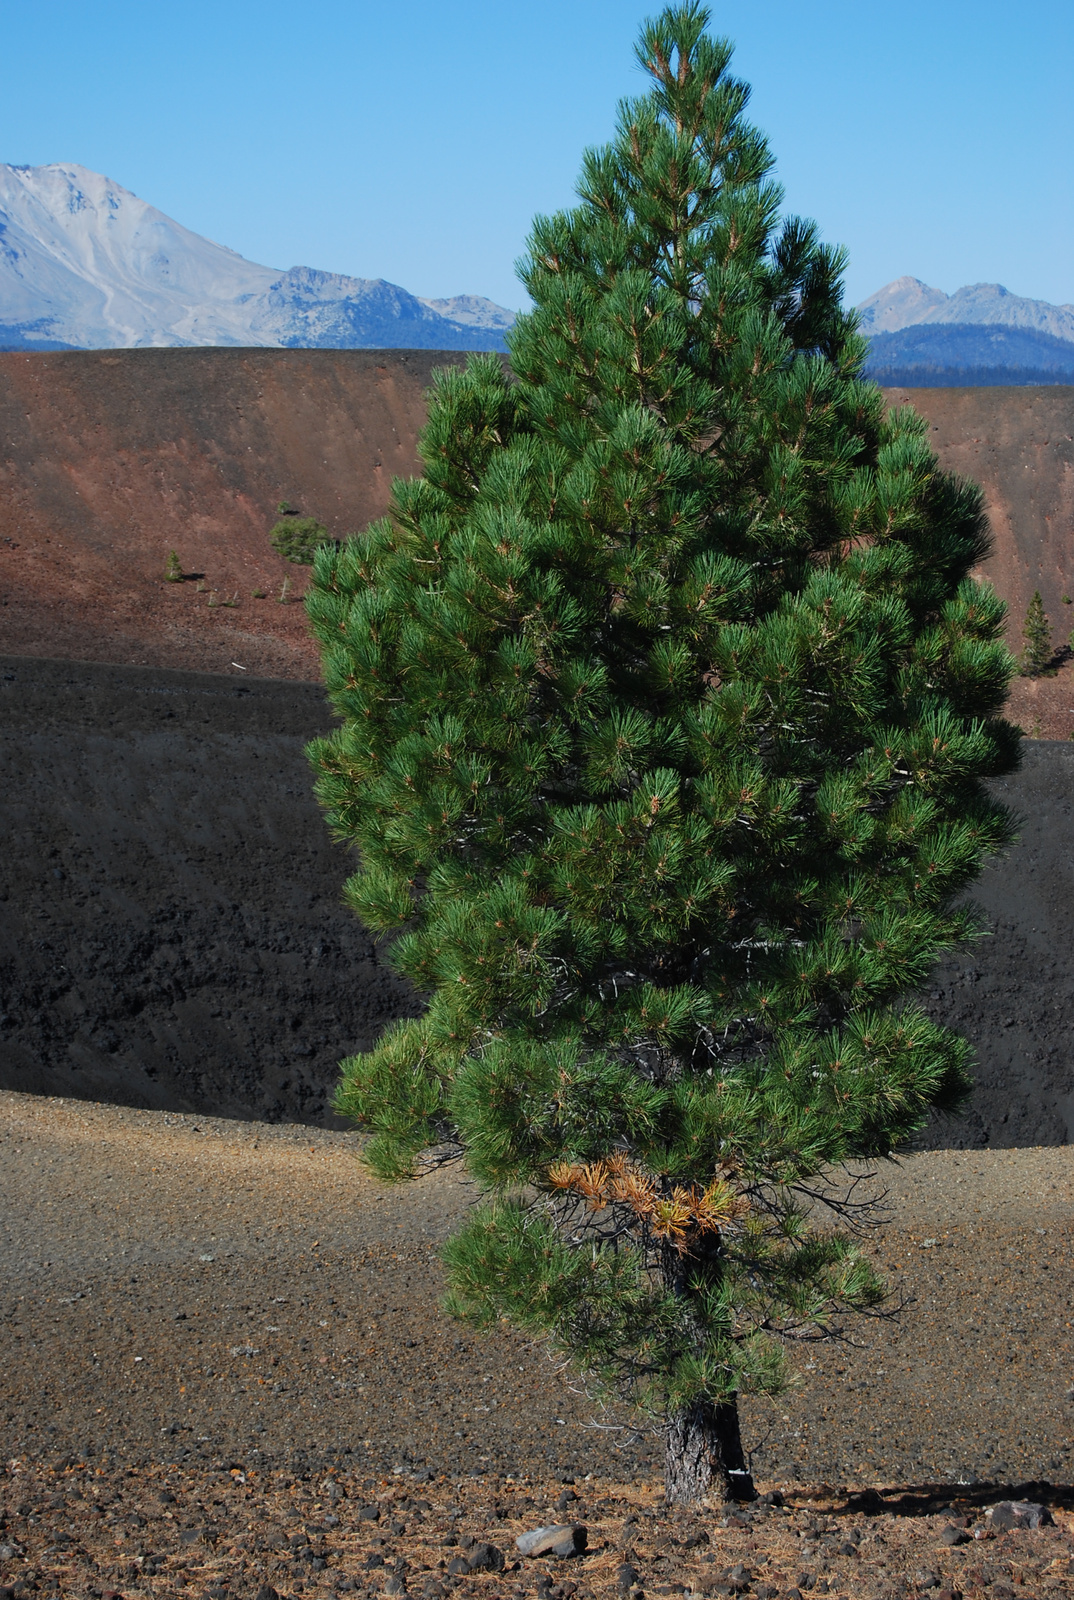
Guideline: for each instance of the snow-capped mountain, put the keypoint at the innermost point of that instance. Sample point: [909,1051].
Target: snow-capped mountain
[86,264]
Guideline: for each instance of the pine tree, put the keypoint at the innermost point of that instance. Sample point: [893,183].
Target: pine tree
[1036,639]
[666,701]
[173,568]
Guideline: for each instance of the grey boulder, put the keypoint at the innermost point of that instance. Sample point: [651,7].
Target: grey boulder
[558,1539]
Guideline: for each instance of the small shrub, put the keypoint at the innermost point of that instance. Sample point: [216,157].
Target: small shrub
[259,594]
[173,568]
[298,539]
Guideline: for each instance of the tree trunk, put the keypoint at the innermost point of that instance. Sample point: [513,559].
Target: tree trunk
[703,1456]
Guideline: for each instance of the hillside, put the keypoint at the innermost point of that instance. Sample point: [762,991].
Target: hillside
[109,459]
[966,355]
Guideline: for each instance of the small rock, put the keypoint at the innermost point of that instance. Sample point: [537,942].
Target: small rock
[1018,1514]
[772,1498]
[740,1577]
[953,1536]
[482,1558]
[368,1513]
[8,1552]
[372,1561]
[560,1539]
[394,1585]
[457,1566]
[927,1580]
[626,1577]
[766,1591]
[949,1594]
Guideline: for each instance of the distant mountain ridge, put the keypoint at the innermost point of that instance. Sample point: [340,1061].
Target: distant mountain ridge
[907,302]
[86,264]
[982,334]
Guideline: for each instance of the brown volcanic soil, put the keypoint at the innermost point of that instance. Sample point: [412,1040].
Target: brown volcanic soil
[1018,444]
[188,1303]
[111,458]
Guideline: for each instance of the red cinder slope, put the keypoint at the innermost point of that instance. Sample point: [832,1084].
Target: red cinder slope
[1018,443]
[111,458]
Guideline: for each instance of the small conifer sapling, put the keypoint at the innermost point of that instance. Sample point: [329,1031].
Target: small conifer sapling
[666,699]
[1036,639]
[173,568]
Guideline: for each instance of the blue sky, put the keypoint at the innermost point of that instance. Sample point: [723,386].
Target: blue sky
[414,141]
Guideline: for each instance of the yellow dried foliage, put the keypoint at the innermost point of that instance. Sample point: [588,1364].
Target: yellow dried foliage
[675,1218]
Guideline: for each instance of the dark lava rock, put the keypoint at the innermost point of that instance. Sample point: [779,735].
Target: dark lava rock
[1019,1514]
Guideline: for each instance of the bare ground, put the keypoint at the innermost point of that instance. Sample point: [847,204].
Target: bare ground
[189,1303]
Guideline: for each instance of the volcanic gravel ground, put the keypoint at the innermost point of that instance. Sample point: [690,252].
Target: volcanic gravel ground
[222,1531]
[175,1289]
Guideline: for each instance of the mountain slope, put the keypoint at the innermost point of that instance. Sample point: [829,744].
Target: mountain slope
[86,264]
[898,305]
[930,355]
[86,260]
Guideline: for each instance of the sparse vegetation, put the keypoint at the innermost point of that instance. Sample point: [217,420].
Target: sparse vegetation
[173,568]
[298,538]
[1036,654]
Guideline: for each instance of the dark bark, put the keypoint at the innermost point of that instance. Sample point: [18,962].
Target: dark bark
[703,1455]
